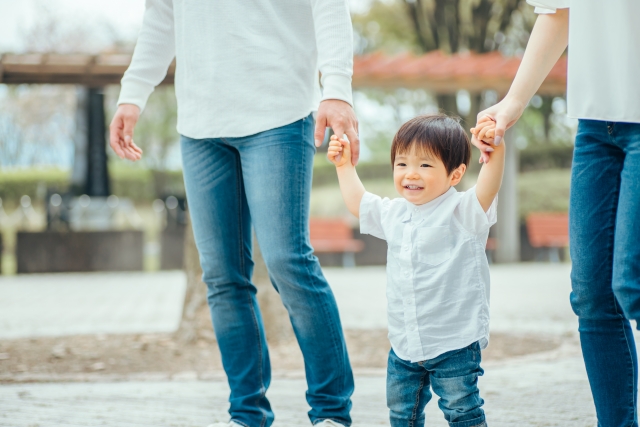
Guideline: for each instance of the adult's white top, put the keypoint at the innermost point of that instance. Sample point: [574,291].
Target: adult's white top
[604,58]
[242,67]
[437,271]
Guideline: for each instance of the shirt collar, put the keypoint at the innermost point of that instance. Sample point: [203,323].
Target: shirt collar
[420,212]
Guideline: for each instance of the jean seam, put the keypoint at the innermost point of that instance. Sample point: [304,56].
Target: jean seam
[242,266]
[633,398]
[417,402]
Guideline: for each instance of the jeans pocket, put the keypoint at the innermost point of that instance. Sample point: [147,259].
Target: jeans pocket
[434,245]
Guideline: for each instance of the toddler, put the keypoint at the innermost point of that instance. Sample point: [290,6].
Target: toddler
[437,271]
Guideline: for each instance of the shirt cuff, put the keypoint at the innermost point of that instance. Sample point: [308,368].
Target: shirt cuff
[136,93]
[337,86]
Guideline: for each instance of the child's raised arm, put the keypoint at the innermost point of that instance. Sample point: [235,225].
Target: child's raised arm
[350,185]
[490,178]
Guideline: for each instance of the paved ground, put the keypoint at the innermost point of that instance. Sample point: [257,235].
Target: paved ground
[523,393]
[547,389]
[525,298]
[80,303]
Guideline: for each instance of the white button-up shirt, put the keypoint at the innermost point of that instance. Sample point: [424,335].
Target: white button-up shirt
[437,270]
[604,58]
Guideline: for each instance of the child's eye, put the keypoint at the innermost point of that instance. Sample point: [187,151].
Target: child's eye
[401,164]
[424,165]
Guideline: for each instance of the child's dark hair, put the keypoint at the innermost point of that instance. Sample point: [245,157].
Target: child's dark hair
[435,134]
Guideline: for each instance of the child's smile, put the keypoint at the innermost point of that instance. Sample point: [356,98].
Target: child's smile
[420,178]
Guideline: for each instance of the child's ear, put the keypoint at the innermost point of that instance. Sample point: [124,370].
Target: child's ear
[457,175]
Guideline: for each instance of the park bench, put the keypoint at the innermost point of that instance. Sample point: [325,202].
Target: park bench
[334,236]
[548,231]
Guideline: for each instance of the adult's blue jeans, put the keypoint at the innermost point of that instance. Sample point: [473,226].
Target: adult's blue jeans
[453,376]
[264,180]
[604,227]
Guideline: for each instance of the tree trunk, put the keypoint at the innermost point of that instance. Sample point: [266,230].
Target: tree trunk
[447,104]
[195,297]
[196,321]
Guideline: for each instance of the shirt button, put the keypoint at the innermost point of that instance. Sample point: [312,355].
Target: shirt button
[406,248]
[409,300]
[412,328]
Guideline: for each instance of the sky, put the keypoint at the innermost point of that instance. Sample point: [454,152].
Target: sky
[16,17]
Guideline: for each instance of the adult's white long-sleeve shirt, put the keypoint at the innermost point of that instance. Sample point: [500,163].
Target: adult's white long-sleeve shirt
[242,67]
[604,58]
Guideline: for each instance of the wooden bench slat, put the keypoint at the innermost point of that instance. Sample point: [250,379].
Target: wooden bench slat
[548,230]
[332,235]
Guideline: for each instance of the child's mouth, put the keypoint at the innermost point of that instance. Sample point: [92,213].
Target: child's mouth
[413,187]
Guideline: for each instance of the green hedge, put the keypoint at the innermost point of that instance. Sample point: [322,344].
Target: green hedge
[132,183]
[543,191]
[540,190]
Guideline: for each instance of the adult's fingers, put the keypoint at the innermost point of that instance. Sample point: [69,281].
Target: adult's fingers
[115,135]
[129,124]
[482,146]
[354,145]
[321,128]
[501,128]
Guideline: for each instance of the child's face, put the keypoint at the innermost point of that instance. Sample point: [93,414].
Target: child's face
[420,178]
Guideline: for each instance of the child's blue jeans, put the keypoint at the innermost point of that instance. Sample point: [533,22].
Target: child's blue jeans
[453,376]
[263,182]
[604,230]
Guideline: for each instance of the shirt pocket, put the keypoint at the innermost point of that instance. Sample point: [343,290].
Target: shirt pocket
[434,245]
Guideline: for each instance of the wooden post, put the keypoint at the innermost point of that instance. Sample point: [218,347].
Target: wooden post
[508,226]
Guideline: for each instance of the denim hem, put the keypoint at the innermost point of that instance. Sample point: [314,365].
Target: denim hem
[476,422]
[240,423]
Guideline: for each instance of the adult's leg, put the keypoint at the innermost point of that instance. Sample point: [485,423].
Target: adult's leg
[626,259]
[277,171]
[222,231]
[454,377]
[626,266]
[407,392]
[605,334]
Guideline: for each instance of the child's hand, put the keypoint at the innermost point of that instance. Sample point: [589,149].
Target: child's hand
[485,130]
[339,152]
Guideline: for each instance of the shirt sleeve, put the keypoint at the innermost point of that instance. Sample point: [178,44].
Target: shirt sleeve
[471,215]
[334,39]
[373,210]
[152,56]
[549,6]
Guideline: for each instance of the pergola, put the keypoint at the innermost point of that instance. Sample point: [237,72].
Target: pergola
[435,72]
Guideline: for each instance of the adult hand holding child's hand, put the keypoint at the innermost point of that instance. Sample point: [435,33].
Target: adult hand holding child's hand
[339,152]
[484,133]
